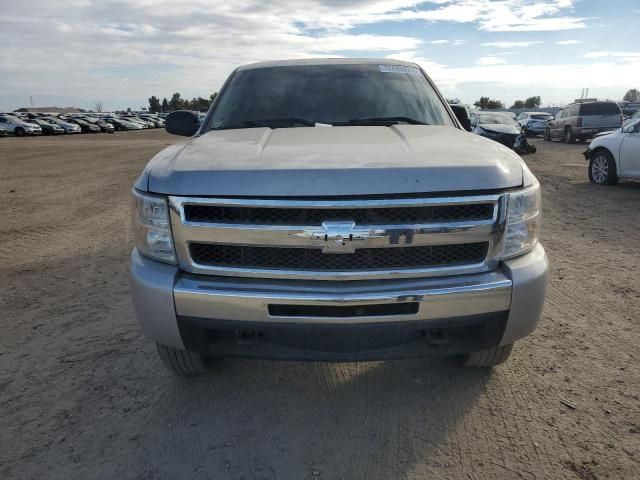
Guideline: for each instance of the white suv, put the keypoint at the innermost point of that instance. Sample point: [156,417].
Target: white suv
[533,123]
[19,127]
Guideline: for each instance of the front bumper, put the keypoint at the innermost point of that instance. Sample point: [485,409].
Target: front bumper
[355,320]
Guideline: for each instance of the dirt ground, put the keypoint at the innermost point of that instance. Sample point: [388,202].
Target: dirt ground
[84,396]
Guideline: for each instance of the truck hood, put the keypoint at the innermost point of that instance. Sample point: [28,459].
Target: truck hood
[331,161]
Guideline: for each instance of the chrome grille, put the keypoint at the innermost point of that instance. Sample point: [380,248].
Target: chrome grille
[338,239]
[315,216]
[314,260]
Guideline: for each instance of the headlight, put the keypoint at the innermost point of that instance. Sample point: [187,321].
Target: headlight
[523,222]
[151,227]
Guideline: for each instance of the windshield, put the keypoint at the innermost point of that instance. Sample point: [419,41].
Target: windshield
[303,95]
[495,119]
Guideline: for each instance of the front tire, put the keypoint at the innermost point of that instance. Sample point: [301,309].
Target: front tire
[489,358]
[19,132]
[183,362]
[547,135]
[602,168]
[568,136]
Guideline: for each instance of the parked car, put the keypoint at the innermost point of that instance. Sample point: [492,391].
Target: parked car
[392,234]
[85,126]
[495,125]
[122,125]
[18,126]
[533,123]
[463,115]
[158,122]
[136,120]
[66,126]
[48,128]
[580,121]
[615,156]
[104,126]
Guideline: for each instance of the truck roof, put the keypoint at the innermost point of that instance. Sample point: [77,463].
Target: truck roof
[326,61]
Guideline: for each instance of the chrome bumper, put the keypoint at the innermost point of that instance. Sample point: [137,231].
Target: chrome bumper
[230,299]
[162,294]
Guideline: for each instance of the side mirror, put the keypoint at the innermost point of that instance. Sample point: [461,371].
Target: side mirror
[182,122]
[462,115]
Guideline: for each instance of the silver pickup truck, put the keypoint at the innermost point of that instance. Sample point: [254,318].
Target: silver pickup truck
[334,210]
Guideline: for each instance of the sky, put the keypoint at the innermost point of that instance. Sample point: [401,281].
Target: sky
[120,52]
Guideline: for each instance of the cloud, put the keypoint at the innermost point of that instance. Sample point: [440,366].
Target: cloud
[438,42]
[499,77]
[490,60]
[510,44]
[614,55]
[506,15]
[91,48]
[568,42]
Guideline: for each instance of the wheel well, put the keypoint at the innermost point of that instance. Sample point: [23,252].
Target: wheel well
[601,149]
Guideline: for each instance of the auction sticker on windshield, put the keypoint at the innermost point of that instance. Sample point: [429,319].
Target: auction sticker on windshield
[386,68]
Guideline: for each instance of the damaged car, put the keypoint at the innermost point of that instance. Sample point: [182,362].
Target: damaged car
[533,123]
[501,128]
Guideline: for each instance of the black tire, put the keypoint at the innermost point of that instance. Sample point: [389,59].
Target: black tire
[602,168]
[568,135]
[183,362]
[546,135]
[489,358]
[19,132]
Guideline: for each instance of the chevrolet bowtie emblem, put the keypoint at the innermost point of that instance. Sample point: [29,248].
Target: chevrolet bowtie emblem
[341,237]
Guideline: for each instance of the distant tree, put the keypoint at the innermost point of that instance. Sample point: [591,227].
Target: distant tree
[482,103]
[176,102]
[128,109]
[98,106]
[632,95]
[165,105]
[198,104]
[154,104]
[518,104]
[532,102]
[486,103]
[212,97]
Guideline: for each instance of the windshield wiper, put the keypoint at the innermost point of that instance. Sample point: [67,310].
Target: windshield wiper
[382,120]
[279,122]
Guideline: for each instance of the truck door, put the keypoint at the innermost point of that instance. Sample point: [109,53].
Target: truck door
[556,128]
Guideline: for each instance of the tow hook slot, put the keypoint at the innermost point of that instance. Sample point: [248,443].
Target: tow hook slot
[247,337]
[436,336]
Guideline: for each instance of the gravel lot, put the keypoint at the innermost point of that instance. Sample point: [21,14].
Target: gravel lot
[83,394]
